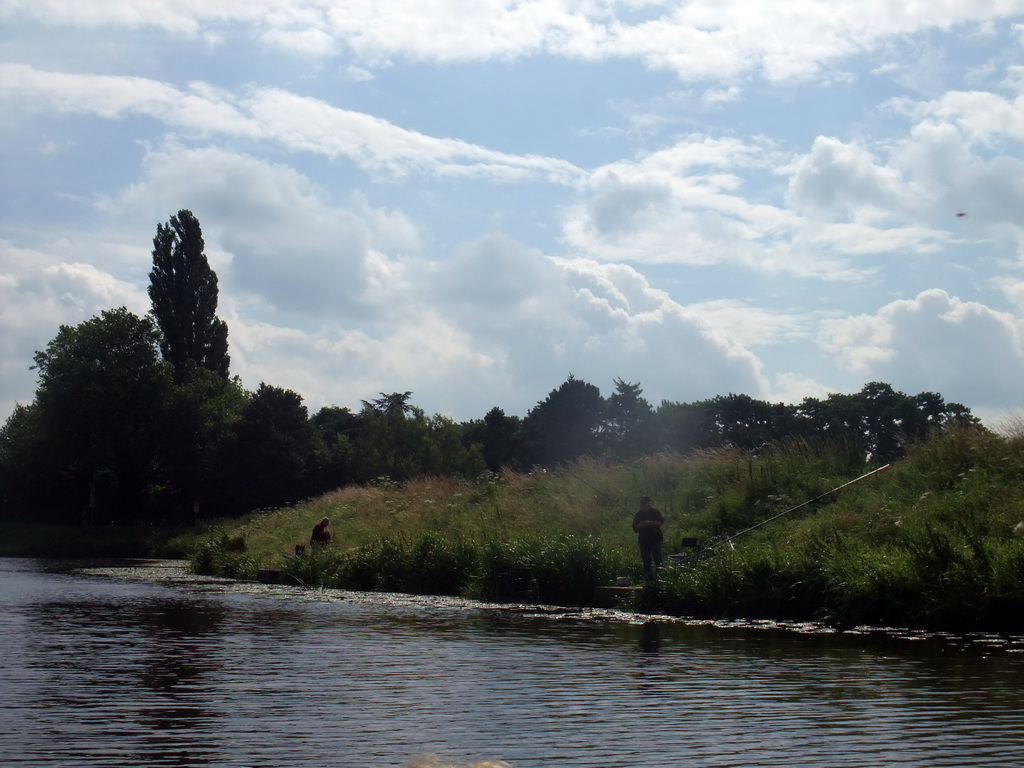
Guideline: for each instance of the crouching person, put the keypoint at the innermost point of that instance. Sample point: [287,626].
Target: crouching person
[320,536]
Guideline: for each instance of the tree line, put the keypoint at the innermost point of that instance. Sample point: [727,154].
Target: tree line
[138,420]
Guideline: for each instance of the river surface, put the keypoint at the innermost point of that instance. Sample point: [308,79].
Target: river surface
[144,666]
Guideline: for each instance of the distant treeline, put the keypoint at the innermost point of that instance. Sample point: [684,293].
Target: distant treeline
[138,420]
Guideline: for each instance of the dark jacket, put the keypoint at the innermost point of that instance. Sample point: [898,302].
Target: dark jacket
[651,533]
[320,535]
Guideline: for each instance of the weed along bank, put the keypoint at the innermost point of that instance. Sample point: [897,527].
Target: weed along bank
[803,531]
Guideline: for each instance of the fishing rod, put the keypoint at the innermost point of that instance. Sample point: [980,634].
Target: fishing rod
[729,539]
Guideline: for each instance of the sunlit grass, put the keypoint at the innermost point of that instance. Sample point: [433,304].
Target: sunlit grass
[936,540]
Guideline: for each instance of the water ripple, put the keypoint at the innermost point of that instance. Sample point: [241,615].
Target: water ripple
[109,672]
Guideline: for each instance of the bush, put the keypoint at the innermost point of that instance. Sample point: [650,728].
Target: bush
[561,570]
[221,553]
[435,565]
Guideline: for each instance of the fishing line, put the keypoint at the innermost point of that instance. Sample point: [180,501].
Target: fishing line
[728,540]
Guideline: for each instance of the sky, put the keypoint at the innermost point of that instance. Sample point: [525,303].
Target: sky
[471,200]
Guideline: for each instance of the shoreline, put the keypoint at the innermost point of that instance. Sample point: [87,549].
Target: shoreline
[176,573]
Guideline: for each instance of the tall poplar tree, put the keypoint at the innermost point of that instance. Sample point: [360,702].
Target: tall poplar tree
[183,290]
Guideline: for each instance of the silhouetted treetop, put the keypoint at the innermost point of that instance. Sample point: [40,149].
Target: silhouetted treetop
[183,291]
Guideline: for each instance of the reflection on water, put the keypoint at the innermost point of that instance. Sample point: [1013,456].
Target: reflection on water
[101,671]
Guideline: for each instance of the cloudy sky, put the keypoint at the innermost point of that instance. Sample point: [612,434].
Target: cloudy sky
[472,199]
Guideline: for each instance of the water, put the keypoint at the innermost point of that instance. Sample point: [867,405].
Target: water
[112,668]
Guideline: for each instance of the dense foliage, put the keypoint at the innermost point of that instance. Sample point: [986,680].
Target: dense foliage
[94,428]
[138,420]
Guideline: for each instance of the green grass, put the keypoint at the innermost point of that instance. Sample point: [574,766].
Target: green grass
[936,541]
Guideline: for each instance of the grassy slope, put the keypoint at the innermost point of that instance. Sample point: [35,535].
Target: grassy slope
[935,541]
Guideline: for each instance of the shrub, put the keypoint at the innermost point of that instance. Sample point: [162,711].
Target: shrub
[436,565]
[221,553]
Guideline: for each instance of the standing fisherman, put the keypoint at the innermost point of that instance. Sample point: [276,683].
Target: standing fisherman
[647,525]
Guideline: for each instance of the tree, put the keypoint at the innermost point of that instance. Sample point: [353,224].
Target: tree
[24,479]
[564,426]
[443,452]
[101,384]
[183,290]
[394,405]
[747,423]
[686,427]
[277,449]
[879,419]
[339,430]
[625,430]
[392,438]
[499,437]
[199,420]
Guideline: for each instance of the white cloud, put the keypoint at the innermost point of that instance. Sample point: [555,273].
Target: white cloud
[337,366]
[837,180]
[282,238]
[959,163]
[794,388]
[981,117]
[40,292]
[355,74]
[185,18]
[460,347]
[302,123]
[755,326]
[201,108]
[1012,289]
[550,318]
[306,42]
[298,123]
[718,96]
[690,205]
[699,40]
[857,203]
[903,196]
[464,346]
[935,342]
[344,213]
[360,310]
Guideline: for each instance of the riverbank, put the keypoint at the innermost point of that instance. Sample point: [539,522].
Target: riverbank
[69,541]
[934,542]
